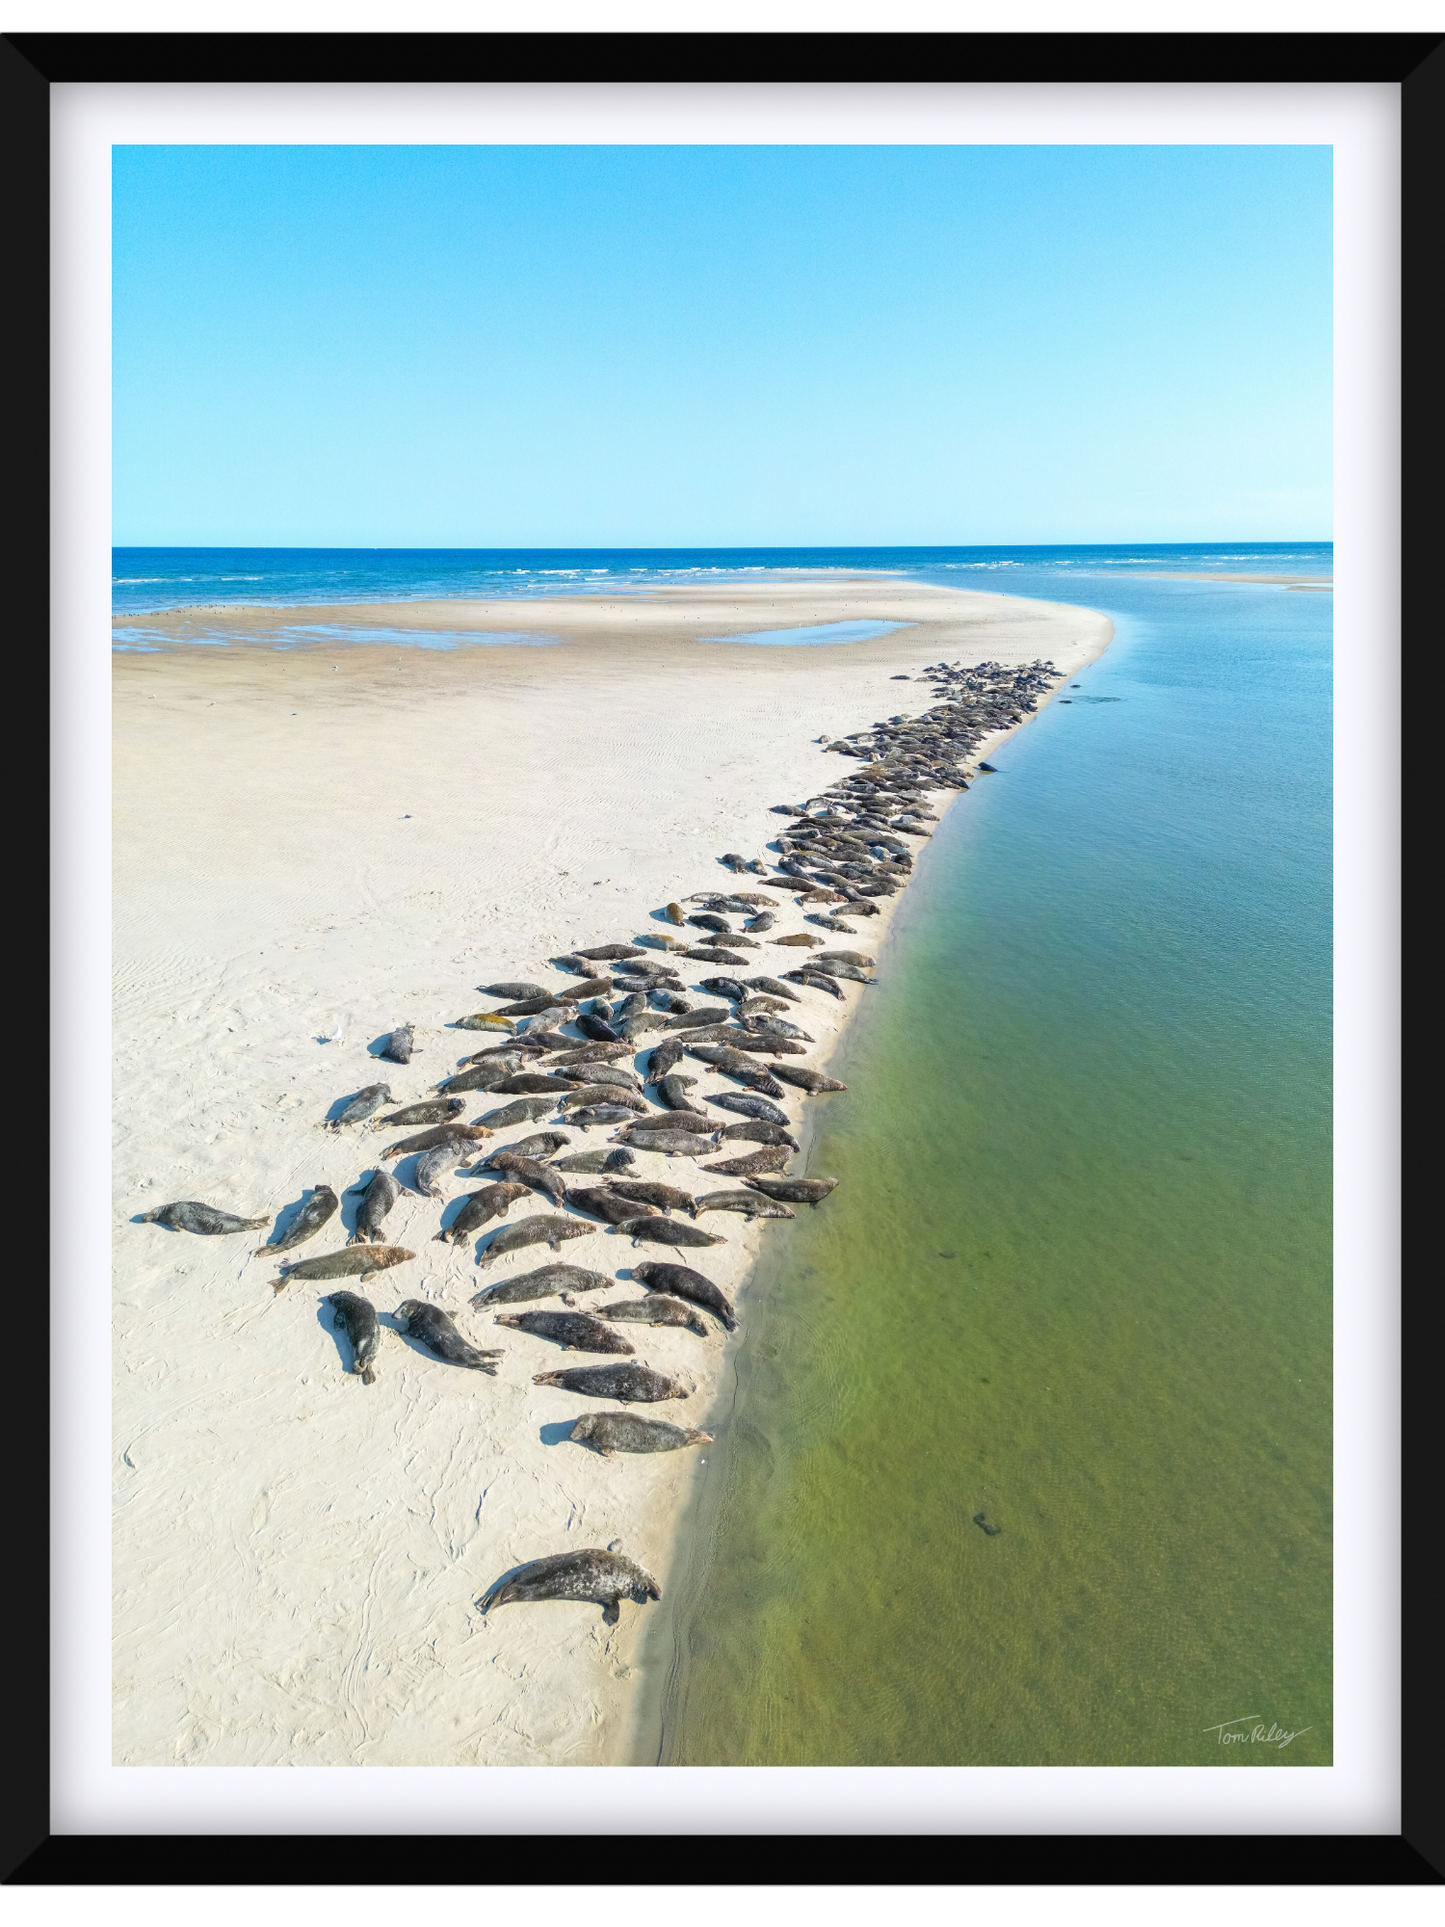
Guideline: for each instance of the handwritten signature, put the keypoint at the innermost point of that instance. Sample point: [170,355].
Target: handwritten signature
[1249,1734]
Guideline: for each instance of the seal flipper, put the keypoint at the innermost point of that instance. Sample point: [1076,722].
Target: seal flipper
[612,1612]
[368,1377]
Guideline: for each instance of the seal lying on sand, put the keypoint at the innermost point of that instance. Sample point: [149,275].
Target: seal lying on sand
[459,1134]
[492,1201]
[524,1111]
[655,1310]
[429,1325]
[512,990]
[400,1045]
[794,1190]
[594,1163]
[805,1079]
[356,1261]
[478,1077]
[434,1110]
[539,1177]
[591,1114]
[749,1106]
[639,1128]
[632,1384]
[772,1157]
[609,952]
[675,1144]
[756,1132]
[574,1331]
[604,1578]
[485,1020]
[739,1201]
[433,1164]
[609,1432]
[796,942]
[815,980]
[362,1105]
[649,1191]
[357,1318]
[859,957]
[599,1201]
[321,1205]
[189,1215]
[377,1199]
[548,1230]
[664,1231]
[587,1095]
[773,988]
[548,1282]
[541,1144]
[537,1084]
[681,1281]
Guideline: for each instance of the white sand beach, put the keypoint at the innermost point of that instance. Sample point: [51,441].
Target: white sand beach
[329,841]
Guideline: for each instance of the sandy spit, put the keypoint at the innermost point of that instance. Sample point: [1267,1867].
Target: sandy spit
[325,843]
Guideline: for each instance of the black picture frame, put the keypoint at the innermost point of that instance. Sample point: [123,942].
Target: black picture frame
[30,1855]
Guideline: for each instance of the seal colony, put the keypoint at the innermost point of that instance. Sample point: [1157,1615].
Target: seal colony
[615,1176]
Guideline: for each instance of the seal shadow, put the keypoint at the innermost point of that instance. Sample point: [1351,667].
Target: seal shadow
[329,1319]
[557,1432]
[286,1217]
[351,1199]
[140,1218]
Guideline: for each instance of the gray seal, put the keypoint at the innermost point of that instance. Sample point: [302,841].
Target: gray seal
[772,1157]
[590,1095]
[860,957]
[658,1230]
[357,1318]
[600,1201]
[666,1197]
[446,1156]
[537,1084]
[546,1229]
[459,1134]
[596,1163]
[400,1045]
[609,1432]
[658,1309]
[478,1077]
[539,1177]
[362,1105]
[524,1111]
[749,1106]
[574,1331]
[797,942]
[190,1215]
[673,1090]
[550,1281]
[492,1201]
[429,1325]
[610,952]
[591,1114]
[631,1384]
[744,1201]
[321,1205]
[675,1144]
[756,1132]
[355,1261]
[816,981]
[541,1144]
[805,1079]
[604,1578]
[376,1200]
[512,990]
[794,1190]
[773,988]
[433,1110]
[681,1281]
[639,1128]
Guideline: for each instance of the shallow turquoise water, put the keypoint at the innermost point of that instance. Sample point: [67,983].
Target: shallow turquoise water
[813,633]
[1076,1278]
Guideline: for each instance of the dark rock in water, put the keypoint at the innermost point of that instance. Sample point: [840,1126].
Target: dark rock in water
[989,767]
[982,1519]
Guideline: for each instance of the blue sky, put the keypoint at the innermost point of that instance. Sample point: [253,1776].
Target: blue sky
[713,346]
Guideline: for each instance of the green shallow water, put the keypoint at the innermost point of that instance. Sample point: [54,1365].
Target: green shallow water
[1076,1277]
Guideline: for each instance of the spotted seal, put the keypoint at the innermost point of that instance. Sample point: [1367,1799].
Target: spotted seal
[379,1195]
[603,1578]
[666,1197]
[401,1044]
[188,1214]
[743,1201]
[435,1110]
[675,1144]
[592,1114]
[545,1229]
[549,1281]
[355,1261]
[631,1384]
[757,1132]
[594,1163]
[656,1309]
[772,1157]
[362,1105]
[794,1190]
[357,1318]
[459,1134]
[747,1105]
[492,1201]
[429,1325]
[574,1331]
[609,1432]
[681,1281]
[588,1095]
[321,1205]
[657,1230]
[525,1111]
[773,988]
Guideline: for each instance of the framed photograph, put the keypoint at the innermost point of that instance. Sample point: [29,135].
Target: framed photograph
[701,1180]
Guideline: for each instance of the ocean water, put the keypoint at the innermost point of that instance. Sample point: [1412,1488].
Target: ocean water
[1028,1459]
[151,579]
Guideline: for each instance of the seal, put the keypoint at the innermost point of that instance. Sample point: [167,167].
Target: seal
[376,1200]
[541,1145]
[528,1006]
[798,939]
[632,1384]
[657,1230]
[430,1166]
[674,1088]
[548,1282]
[593,1163]
[536,1084]
[772,1157]
[675,1144]
[666,1197]
[744,1201]
[188,1214]
[589,1054]
[832,923]
[859,957]
[619,1077]
[794,1190]
[492,1201]
[589,987]
[480,1077]
[598,1029]
[362,1105]
[511,990]
[770,1026]
[433,1111]
[709,920]
[517,1051]
[591,1094]
[546,1229]
[357,1318]
[658,1121]
[835,967]
[749,1106]
[458,1134]
[711,954]
[429,1325]
[816,982]
[681,1281]
[321,1205]
[609,1432]
[764,920]
[674,913]
[356,1261]
[756,1132]
[806,1080]
[525,1111]
[602,1202]
[756,1006]
[400,1045]
[532,1172]
[774,989]
[728,987]
[609,952]
[656,1310]
[600,1114]
[574,1331]
[603,1578]
[661,1059]
[485,1020]
[696,1019]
